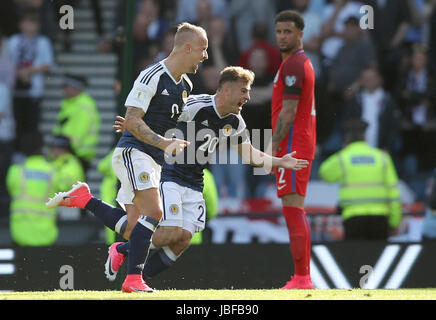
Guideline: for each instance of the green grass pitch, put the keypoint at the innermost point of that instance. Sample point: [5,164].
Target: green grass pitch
[331,294]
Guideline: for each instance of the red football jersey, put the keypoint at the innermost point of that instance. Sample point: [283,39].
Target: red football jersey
[295,80]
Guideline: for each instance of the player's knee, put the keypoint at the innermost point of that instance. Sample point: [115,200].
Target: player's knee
[165,235]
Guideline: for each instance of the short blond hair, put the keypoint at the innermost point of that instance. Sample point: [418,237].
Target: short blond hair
[233,74]
[185,31]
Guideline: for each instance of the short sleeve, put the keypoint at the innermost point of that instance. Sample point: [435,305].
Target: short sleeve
[292,75]
[142,93]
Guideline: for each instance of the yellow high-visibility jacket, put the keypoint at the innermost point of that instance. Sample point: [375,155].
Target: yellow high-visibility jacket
[368,182]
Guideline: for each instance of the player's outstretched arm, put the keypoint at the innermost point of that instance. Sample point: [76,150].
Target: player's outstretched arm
[134,123]
[257,158]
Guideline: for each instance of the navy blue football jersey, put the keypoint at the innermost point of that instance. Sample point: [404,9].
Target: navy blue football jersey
[206,130]
[162,98]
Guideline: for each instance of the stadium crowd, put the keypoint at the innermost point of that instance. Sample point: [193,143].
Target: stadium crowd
[384,75]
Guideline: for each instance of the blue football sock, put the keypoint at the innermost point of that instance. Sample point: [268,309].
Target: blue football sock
[140,240]
[112,217]
[158,261]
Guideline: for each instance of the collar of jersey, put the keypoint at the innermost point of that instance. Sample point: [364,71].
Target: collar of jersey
[169,73]
[215,108]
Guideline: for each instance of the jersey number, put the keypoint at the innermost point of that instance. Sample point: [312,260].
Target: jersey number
[282,173]
[210,143]
[174,110]
[200,218]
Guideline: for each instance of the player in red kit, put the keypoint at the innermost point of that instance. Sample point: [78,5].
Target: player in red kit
[294,128]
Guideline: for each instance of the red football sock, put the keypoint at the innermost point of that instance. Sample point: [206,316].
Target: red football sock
[299,237]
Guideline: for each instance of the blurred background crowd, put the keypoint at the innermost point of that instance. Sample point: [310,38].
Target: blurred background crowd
[384,75]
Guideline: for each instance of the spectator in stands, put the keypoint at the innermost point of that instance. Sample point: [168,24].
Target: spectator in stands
[79,120]
[334,16]
[68,168]
[32,56]
[45,11]
[166,45]
[223,48]
[30,184]
[417,99]
[392,18]
[312,33]
[369,198]
[355,54]
[257,115]
[7,125]
[415,32]
[148,29]
[245,14]
[259,35]
[378,109]
[207,81]
[187,10]
[204,14]
[431,36]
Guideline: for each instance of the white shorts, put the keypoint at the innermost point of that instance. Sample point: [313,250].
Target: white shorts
[182,207]
[136,170]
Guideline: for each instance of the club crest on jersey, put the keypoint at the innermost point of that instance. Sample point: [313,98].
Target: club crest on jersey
[227,130]
[144,177]
[184,96]
[290,80]
[174,208]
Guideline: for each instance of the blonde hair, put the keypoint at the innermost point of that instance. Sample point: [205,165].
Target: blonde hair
[232,74]
[185,32]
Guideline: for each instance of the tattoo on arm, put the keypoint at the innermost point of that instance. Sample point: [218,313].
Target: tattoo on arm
[285,120]
[139,128]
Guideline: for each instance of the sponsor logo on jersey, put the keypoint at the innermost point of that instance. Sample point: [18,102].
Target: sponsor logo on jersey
[165,92]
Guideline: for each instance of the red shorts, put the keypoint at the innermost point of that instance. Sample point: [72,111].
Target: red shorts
[290,181]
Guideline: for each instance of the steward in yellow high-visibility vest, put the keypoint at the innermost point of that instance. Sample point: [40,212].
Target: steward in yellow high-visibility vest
[369,198]
[79,120]
[210,195]
[30,184]
[68,167]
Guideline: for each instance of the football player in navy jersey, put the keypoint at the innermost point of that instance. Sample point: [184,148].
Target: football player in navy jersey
[153,106]
[212,120]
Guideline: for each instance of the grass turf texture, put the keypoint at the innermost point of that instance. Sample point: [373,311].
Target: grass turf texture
[331,294]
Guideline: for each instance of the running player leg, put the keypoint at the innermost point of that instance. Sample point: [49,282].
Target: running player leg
[184,214]
[148,201]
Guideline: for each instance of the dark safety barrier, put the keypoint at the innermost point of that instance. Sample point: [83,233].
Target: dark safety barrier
[253,266]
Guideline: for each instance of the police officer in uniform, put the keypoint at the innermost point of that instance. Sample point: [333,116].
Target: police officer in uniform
[369,199]
[29,184]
